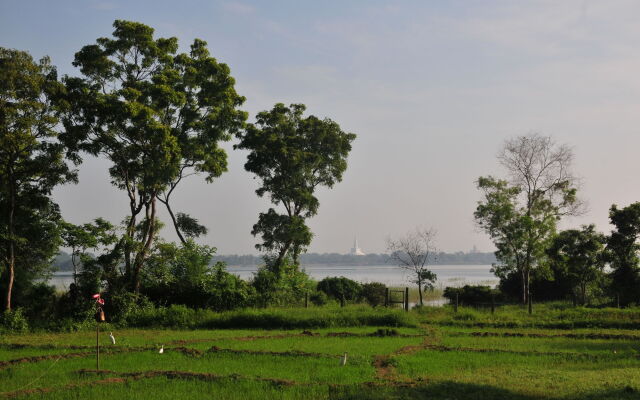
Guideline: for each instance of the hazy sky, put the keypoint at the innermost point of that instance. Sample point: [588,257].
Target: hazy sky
[431,88]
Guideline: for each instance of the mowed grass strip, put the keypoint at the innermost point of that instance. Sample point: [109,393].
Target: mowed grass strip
[165,388]
[147,337]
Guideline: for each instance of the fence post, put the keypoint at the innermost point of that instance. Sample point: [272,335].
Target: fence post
[306,299]
[97,346]
[406,299]
[455,308]
[386,297]
[493,304]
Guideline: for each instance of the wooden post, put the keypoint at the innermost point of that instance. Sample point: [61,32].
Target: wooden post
[386,297]
[455,307]
[97,345]
[306,299]
[406,299]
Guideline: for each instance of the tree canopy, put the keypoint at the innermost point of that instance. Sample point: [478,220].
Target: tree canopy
[158,117]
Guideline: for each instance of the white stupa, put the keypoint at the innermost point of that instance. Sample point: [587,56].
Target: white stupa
[355,250]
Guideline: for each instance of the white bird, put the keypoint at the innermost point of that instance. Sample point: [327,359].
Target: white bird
[343,360]
[161,349]
[113,339]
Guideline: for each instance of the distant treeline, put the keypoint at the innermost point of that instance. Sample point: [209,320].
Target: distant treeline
[458,258]
[62,262]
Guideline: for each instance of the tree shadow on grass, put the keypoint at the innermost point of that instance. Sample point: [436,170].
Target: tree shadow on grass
[465,391]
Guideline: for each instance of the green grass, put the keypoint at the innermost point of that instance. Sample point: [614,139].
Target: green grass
[471,354]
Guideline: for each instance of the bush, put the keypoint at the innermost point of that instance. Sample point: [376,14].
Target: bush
[340,288]
[374,293]
[14,321]
[319,298]
[285,285]
[473,295]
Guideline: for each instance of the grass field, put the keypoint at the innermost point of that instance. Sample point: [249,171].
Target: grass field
[557,353]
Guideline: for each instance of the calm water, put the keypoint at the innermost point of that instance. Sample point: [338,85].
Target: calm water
[448,275]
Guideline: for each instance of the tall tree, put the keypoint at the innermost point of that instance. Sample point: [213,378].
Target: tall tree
[292,155]
[577,255]
[622,252]
[157,116]
[520,214]
[32,158]
[414,252]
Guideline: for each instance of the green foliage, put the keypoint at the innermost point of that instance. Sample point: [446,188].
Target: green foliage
[374,293]
[576,256]
[32,162]
[319,298]
[14,321]
[341,288]
[285,285]
[292,156]
[622,253]
[184,275]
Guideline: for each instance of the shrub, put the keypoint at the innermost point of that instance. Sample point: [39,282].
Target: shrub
[374,293]
[14,321]
[471,295]
[285,285]
[319,298]
[340,288]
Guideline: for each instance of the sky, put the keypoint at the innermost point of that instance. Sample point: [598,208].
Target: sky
[431,89]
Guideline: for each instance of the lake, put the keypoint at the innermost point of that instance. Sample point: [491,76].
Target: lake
[448,275]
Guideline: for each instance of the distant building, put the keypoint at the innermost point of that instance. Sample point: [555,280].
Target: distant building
[355,250]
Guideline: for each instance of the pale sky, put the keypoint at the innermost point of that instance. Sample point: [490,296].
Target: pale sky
[431,88]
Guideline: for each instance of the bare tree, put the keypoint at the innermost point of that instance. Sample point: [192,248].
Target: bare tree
[413,252]
[542,170]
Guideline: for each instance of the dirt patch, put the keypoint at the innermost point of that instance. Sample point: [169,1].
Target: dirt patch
[293,353]
[553,335]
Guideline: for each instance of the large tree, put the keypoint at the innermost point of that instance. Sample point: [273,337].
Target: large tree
[32,162]
[414,252]
[521,213]
[158,117]
[622,252]
[292,155]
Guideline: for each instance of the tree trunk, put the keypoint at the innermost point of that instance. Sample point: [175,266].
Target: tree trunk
[281,256]
[420,291]
[148,238]
[11,245]
[524,287]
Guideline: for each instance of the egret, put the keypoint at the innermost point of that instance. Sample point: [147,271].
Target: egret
[343,360]
[113,339]
[161,349]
